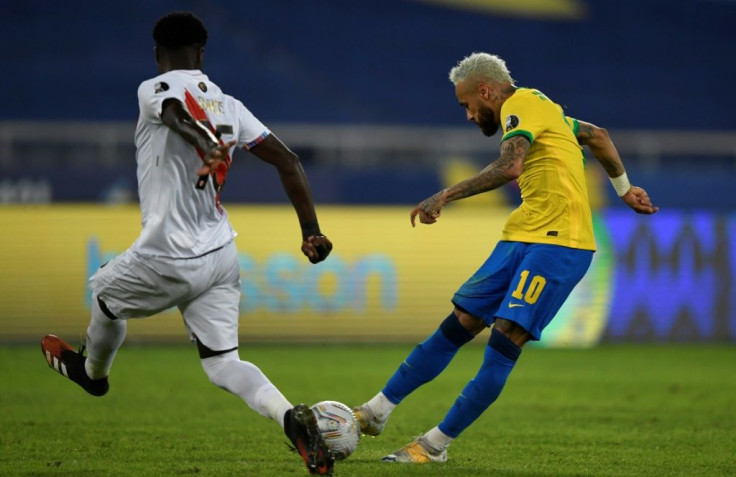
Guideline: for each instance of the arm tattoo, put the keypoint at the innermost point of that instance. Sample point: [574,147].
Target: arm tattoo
[601,147]
[614,167]
[585,132]
[497,173]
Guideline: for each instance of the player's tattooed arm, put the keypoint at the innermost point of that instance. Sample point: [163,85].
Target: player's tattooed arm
[605,152]
[504,169]
[600,144]
[501,171]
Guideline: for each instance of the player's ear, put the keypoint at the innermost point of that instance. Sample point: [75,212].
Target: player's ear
[483,90]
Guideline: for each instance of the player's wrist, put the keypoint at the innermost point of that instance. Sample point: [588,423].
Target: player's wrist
[621,184]
[443,196]
[310,229]
[210,146]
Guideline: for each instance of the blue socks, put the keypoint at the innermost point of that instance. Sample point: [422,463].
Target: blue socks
[432,356]
[499,359]
[428,359]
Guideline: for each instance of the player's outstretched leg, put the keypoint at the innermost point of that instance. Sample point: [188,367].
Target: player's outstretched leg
[418,451]
[62,358]
[428,359]
[499,359]
[300,426]
[246,380]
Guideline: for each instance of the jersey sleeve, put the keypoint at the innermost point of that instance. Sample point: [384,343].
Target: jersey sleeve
[574,125]
[252,131]
[153,93]
[522,115]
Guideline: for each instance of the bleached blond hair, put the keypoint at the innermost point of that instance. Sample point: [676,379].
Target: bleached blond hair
[483,66]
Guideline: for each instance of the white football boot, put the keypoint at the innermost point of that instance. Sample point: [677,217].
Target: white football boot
[369,423]
[416,452]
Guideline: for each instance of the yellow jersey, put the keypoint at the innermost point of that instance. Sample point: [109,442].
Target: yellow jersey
[554,208]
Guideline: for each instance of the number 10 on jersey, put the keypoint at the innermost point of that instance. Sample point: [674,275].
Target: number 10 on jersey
[533,290]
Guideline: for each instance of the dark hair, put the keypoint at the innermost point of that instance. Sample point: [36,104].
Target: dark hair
[179,29]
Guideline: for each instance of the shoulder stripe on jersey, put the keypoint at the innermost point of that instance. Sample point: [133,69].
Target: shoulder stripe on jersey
[519,132]
[575,127]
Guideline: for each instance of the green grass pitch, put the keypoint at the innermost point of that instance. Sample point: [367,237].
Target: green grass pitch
[608,411]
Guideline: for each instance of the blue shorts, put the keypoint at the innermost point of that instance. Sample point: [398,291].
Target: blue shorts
[526,283]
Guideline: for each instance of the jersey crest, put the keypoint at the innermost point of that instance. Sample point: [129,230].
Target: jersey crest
[512,121]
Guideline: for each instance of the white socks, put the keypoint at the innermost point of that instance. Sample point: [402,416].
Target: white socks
[244,379]
[272,403]
[437,440]
[381,406]
[104,338]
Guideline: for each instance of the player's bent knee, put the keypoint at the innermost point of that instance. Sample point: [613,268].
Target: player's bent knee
[215,364]
[469,321]
[206,352]
[455,331]
[515,332]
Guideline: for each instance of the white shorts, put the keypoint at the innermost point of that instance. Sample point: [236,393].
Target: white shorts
[206,290]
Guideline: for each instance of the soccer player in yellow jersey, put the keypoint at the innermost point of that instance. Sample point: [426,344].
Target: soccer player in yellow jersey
[546,246]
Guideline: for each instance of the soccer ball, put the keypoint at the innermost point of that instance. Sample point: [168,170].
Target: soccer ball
[338,426]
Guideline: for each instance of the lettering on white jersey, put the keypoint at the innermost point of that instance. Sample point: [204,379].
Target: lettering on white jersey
[210,105]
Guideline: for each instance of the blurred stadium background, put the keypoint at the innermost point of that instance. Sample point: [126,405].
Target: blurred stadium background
[360,91]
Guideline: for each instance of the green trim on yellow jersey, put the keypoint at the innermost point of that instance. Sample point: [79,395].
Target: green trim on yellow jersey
[575,126]
[519,132]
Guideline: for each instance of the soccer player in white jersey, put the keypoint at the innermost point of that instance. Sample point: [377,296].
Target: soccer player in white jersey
[185,255]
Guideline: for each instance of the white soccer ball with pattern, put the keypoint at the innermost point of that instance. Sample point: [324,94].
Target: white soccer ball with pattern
[339,427]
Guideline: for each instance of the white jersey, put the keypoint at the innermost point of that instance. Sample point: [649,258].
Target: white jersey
[180,220]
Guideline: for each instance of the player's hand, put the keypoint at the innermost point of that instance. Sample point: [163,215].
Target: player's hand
[316,248]
[428,210]
[215,157]
[638,199]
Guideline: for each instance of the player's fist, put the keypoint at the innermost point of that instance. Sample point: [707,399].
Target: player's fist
[316,248]
[429,210]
